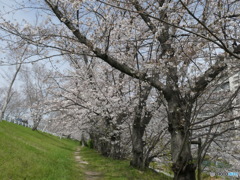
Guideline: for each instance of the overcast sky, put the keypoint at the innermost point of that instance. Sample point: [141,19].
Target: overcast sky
[20,16]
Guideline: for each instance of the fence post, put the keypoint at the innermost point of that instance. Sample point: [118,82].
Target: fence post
[199,169]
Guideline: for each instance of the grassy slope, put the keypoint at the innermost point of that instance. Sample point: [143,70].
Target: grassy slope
[27,154]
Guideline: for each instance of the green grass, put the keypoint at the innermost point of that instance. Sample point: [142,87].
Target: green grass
[116,169]
[33,155]
[27,154]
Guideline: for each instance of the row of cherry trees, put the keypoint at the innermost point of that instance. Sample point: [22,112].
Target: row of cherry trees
[136,69]
[103,104]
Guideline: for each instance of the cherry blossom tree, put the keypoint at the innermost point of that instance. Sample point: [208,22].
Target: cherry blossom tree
[9,94]
[35,85]
[176,22]
[179,48]
[16,57]
[16,107]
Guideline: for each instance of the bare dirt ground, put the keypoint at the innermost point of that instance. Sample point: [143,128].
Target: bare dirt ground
[89,175]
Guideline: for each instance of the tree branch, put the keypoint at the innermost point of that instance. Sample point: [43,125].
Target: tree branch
[104,56]
[208,77]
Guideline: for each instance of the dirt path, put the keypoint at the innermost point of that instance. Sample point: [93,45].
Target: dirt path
[89,175]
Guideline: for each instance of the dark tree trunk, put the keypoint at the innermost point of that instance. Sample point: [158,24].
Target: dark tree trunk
[179,114]
[36,124]
[183,167]
[137,146]
[34,128]
[138,128]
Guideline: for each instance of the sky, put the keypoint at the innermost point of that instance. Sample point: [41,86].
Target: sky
[9,13]
[20,16]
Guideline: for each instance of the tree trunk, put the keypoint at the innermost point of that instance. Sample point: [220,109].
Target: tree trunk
[35,124]
[179,119]
[137,146]
[8,95]
[138,128]
[34,128]
[1,115]
[183,167]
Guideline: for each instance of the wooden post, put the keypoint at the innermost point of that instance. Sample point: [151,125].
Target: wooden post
[199,143]
[199,158]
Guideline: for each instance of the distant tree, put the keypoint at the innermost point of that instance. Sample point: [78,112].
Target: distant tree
[16,57]
[16,107]
[35,86]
